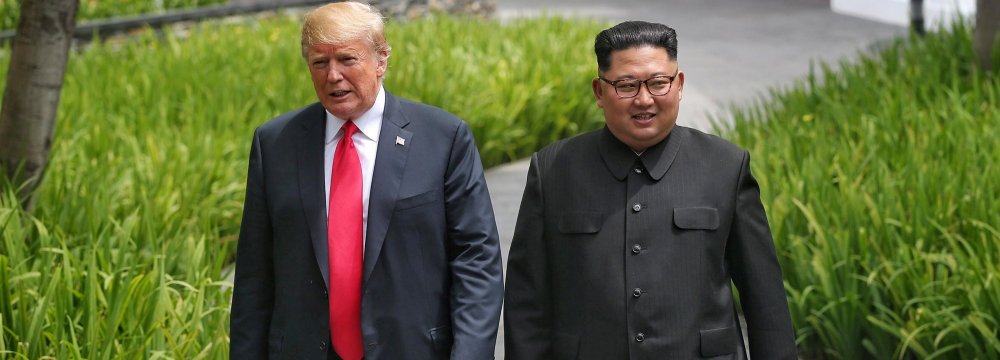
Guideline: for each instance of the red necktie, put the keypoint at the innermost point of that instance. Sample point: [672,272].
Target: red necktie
[344,240]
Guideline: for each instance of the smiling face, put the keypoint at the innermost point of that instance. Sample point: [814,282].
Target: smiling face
[644,120]
[346,76]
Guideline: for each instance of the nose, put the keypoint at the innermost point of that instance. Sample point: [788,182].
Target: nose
[644,98]
[334,75]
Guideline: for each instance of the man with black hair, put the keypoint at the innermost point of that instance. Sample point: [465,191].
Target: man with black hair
[629,237]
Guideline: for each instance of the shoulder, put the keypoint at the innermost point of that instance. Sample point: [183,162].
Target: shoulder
[426,115]
[570,149]
[701,144]
[571,145]
[292,119]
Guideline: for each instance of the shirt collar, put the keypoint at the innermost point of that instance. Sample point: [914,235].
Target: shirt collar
[369,123]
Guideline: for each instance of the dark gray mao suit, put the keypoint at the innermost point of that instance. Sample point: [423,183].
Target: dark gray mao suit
[619,256]
[432,279]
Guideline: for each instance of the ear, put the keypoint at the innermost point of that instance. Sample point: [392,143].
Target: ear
[383,62]
[598,92]
[679,83]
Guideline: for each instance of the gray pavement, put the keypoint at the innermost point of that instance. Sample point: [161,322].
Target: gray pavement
[732,52]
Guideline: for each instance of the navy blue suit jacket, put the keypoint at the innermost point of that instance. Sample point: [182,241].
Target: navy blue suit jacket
[432,282]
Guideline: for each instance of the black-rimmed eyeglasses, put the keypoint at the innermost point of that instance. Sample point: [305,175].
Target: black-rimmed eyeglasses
[629,88]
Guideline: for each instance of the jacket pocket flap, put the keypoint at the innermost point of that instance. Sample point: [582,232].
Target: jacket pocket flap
[696,218]
[580,222]
[718,341]
[417,200]
[441,337]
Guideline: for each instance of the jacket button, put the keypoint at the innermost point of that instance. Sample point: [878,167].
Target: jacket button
[640,337]
[637,207]
[638,170]
[636,249]
[637,293]
[322,345]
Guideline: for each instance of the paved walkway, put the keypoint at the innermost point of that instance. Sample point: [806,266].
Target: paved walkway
[731,50]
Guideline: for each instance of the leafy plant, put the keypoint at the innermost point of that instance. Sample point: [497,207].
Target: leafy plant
[128,250]
[879,178]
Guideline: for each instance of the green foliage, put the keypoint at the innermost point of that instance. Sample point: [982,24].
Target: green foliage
[136,221]
[9,11]
[520,85]
[881,184]
[99,9]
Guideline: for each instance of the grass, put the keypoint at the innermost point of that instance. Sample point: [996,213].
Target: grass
[140,208]
[880,183]
[879,178]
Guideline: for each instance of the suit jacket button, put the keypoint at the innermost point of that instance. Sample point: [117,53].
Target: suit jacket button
[636,249]
[637,207]
[637,293]
[322,345]
[640,337]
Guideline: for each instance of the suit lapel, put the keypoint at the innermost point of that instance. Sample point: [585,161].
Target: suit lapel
[393,146]
[312,191]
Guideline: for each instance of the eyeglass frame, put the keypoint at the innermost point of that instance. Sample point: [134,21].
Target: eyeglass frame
[614,83]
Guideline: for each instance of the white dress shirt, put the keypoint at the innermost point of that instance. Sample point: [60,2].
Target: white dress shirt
[365,141]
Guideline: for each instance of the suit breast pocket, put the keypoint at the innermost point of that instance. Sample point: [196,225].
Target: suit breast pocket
[418,200]
[696,218]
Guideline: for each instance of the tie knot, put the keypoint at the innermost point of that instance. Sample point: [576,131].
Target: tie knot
[349,129]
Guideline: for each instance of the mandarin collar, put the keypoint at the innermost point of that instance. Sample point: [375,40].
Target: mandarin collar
[619,158]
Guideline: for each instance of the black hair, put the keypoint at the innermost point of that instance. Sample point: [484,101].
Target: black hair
[632,34]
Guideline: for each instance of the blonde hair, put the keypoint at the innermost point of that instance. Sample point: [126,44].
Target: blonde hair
[343,22]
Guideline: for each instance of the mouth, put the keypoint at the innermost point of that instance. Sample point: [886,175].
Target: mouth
[339,94]
[643,117]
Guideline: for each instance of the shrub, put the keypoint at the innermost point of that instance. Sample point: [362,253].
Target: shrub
[136,221]
[879,178]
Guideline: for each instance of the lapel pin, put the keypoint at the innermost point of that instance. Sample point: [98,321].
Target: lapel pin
[400,141]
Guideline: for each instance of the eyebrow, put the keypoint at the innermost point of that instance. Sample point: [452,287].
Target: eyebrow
[630,76]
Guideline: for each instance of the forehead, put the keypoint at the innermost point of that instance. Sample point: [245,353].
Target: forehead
[642,58]
[354,47]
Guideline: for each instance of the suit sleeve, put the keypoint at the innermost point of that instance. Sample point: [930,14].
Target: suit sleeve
[527,316]
[474,252]
[253,293]
[755,270]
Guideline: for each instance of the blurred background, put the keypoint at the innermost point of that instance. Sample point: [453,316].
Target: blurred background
[125,130]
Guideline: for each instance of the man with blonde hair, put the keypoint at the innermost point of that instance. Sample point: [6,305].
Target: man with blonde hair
[367,229]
